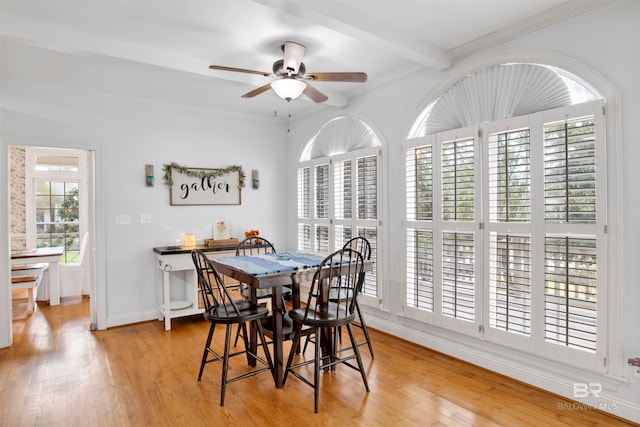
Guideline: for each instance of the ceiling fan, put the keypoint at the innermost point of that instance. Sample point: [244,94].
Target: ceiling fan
[291,78]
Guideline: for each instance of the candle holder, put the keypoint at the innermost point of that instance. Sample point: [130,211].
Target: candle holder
[189,239]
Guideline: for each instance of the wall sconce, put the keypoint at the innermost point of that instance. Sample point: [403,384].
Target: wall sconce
[148,172]
[255,181]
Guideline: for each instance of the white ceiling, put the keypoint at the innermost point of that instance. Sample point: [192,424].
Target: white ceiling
[160,50]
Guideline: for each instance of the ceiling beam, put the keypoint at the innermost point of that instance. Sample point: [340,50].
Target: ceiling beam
[533,23]
[350,22]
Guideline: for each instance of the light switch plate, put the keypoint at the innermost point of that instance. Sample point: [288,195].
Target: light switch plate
[123,219]
[145,218]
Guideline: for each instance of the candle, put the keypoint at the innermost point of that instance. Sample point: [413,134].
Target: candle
[189,239]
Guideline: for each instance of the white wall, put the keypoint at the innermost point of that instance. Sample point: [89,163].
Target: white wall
[127,135]
[606,42]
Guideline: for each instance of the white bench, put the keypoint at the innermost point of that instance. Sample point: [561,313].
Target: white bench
[27,277]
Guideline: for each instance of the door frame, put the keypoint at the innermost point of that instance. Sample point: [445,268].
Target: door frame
[95,223]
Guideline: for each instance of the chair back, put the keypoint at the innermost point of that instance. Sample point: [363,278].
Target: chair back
[255,246]
[362,245]
[338,275]
[215,296]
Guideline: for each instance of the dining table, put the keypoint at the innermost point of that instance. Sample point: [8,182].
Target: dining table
[273,271]
[52,256]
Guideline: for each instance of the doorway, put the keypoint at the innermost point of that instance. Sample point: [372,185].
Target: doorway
[32,168]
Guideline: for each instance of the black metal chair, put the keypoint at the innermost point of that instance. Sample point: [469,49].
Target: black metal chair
[362,245]
[326,315]
[257,246]
[220,308]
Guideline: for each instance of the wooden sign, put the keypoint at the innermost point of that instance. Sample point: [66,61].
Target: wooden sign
[199,187]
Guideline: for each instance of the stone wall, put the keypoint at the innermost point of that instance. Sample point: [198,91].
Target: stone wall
[18,198]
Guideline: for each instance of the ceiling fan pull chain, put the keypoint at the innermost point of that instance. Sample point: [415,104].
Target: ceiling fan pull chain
[289,117]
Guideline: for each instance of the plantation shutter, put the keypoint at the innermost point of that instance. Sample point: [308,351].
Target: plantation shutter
[367,187]
[304,200]
[458,248]
[458,180]
[509,215]
[571,295]
[304,237]
[367,222]
[420,275]
[342,190]
[322,192]
[419,213]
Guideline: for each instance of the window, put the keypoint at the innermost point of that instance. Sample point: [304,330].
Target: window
[340,168]
[504,232]
[56,202]
[332,222]
[57,217]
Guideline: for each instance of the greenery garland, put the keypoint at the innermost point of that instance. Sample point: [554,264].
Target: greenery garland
[200,173]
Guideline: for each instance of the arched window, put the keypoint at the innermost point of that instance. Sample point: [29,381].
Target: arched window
[501,92]
[506,212]
[340,135]
[338,191]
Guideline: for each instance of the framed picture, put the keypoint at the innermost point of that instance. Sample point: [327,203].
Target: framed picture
[204,187]
[221,230]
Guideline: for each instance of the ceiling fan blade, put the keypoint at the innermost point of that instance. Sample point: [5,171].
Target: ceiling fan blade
[239,70]
[337,77]
[293,53]
[314,94]
[257,91]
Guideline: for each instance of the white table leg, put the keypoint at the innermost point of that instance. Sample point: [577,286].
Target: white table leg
[54,283]
[166,300]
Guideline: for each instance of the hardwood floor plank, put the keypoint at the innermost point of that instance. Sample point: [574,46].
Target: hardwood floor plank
[58,373]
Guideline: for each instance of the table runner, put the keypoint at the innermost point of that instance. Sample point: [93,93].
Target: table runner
[273,263]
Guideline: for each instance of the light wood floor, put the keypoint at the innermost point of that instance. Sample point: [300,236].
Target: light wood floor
[58,373]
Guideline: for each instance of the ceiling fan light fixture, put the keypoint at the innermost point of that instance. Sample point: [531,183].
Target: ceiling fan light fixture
[288,88]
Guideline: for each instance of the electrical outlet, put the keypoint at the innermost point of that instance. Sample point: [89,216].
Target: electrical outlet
[145,218]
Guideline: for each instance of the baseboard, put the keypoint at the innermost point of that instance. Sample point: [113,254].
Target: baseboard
[130,318]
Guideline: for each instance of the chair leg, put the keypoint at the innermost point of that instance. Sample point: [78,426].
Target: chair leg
[354,343]
[265,348]
[235,343]
[245,339]
[306,343]
[316,370]
[294,344]
[225,363]
[205,353]
[363,326]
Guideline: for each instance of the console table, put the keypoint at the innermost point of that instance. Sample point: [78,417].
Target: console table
[178,258]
